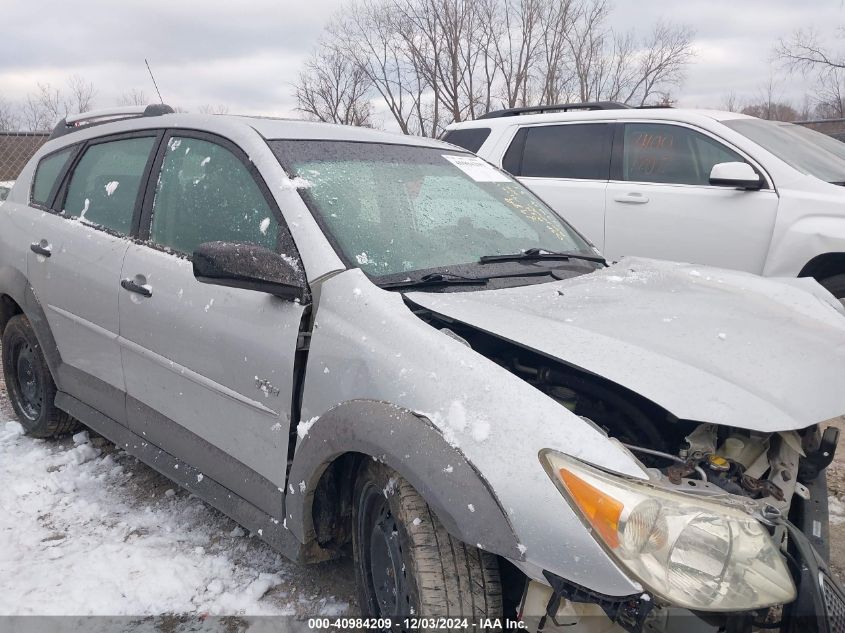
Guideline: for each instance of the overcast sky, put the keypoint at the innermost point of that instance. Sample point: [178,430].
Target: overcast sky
[246,54]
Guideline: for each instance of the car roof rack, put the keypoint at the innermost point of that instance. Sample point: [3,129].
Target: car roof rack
[74,122]
[559,107]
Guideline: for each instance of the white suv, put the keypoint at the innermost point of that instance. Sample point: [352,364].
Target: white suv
[698,186]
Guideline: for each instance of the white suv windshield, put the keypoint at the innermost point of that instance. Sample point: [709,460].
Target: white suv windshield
[392,209]
[806,150]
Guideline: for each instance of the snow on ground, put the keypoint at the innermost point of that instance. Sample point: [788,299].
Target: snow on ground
[85,529]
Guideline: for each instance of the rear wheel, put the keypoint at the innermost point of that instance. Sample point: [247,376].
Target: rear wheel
[29,383]
[406,564]
[836,286]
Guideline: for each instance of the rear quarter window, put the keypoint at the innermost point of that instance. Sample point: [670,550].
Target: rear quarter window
[470,139]
[46,174]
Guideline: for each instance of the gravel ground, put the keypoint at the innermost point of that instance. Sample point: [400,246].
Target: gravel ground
[836,487]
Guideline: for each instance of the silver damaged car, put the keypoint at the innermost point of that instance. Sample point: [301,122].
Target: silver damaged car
[354,341]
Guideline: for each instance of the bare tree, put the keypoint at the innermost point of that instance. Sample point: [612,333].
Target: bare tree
[334,88]
[441,43]
[830,95]
[731,103]
[208,108]
[804,50]
[772,111]
[365,34]
[554,76]
[432,62]
[516,43]
[586,41]
[82,93]
[47,105]
[9,117]
[769,106]
[42,109]
[661,62]
[132,97]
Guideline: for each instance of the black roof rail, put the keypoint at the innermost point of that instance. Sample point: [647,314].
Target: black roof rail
[560,107]
[74,122]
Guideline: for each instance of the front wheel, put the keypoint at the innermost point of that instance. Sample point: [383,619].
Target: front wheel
[29,383]
[407,564]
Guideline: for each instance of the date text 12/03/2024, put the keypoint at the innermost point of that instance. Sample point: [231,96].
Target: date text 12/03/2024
[415,623]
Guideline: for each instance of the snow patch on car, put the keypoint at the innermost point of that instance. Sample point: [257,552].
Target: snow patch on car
[303,427]
[295,183]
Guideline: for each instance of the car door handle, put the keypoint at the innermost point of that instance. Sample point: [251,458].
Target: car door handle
[132,286]
[632,198]
[41,248]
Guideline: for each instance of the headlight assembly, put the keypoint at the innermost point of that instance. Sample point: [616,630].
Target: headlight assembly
[688,551]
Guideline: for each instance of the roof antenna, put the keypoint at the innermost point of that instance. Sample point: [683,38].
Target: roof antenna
[154,80]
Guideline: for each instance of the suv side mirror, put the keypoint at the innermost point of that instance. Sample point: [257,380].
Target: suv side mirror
[740,175]
[248,266]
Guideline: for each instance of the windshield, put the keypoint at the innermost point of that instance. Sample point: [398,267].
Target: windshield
[806,150]
[392,209]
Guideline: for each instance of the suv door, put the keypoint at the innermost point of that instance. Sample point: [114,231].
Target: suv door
[660,202]
[568,166]
[209,369]
[75,260]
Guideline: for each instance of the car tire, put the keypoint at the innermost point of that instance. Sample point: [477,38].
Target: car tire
[836,286]
[407,564]
[29,383]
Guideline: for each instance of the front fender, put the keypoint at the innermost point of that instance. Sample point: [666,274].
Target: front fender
[802,241]
[411,445]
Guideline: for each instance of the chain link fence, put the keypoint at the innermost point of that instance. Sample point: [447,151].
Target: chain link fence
[16,148]
[831,127]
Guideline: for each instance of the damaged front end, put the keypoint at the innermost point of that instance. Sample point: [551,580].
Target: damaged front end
[729,533]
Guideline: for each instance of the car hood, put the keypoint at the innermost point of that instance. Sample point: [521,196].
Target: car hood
[706,344]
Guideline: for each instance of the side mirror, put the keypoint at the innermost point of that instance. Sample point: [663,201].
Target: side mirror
[740,175]
[248,266]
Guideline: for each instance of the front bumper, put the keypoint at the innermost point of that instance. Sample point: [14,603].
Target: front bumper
[818,608]
[820,605]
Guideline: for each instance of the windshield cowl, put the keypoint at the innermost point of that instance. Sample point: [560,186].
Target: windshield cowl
[491,276]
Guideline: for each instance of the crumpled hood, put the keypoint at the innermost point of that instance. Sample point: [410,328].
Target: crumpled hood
[706,344]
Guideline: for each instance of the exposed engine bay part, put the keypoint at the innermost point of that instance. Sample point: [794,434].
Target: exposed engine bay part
[675,472]
[820,454]
[700,458]
[535,606]
[758,465]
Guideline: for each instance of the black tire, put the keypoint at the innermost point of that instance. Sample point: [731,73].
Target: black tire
[407,564]
[29,382]
[836,286]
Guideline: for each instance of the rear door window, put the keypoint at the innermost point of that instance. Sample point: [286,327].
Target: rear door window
[671,154]
[47,173]
[103,189]
[578,151]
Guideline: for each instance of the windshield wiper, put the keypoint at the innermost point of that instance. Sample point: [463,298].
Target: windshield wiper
[435,279]
[535,254]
